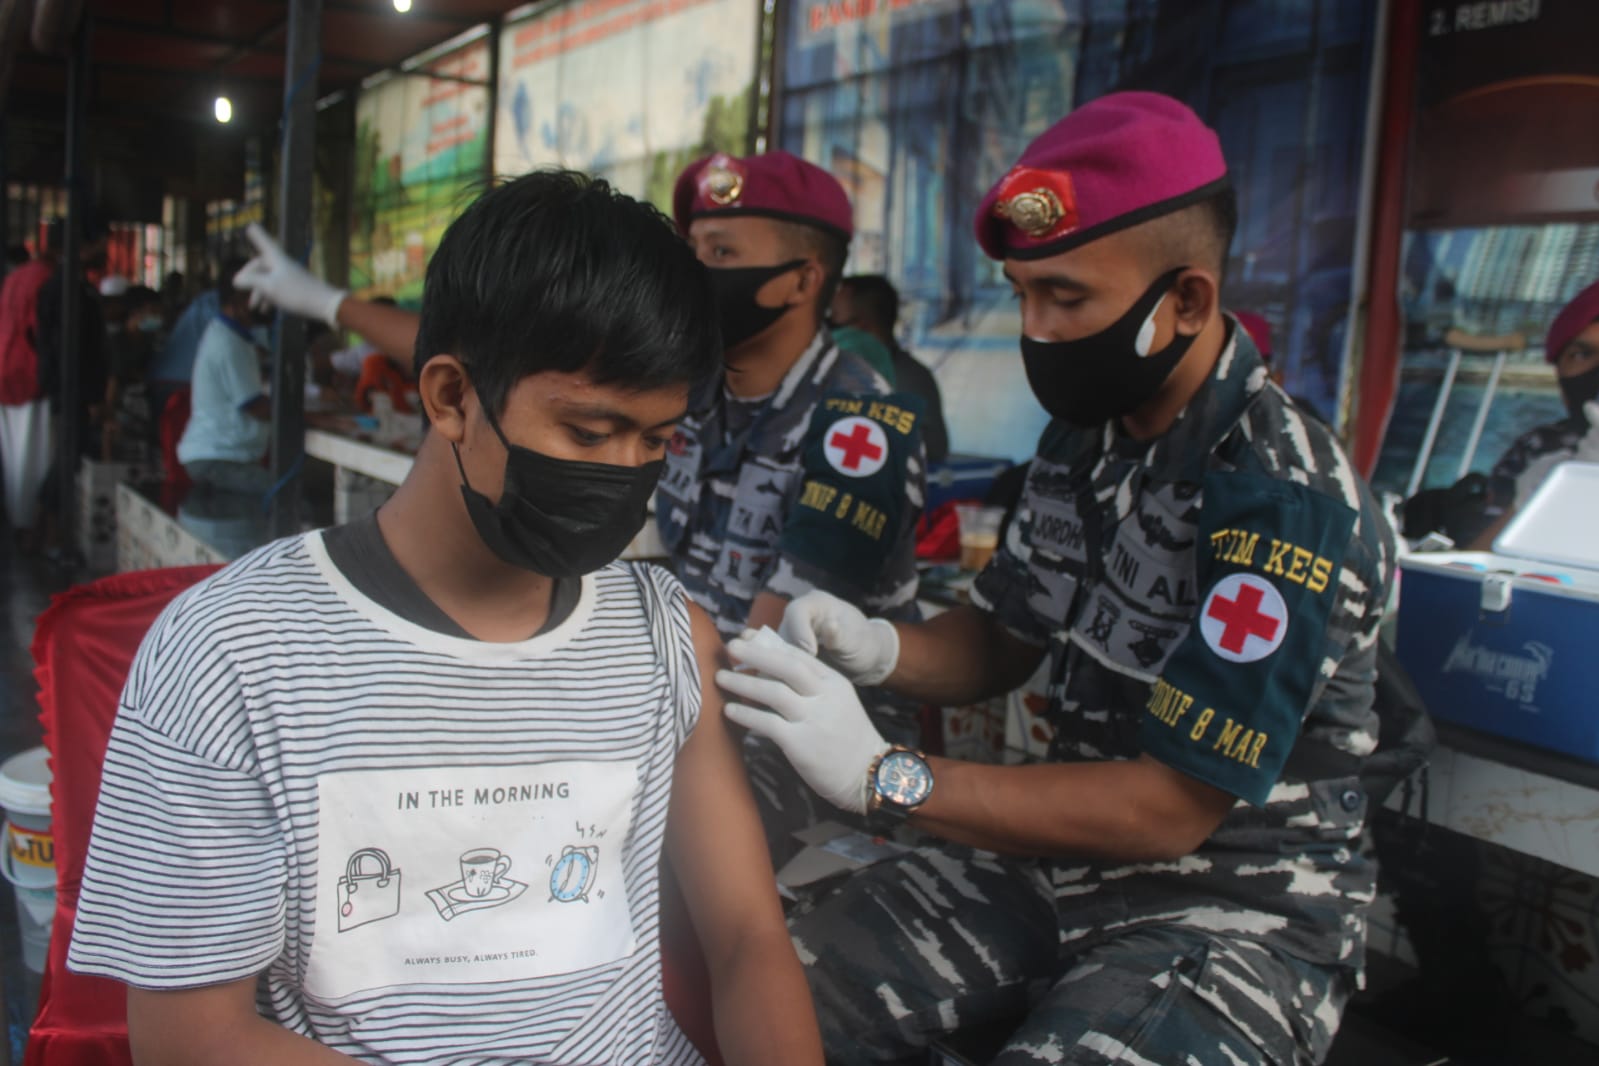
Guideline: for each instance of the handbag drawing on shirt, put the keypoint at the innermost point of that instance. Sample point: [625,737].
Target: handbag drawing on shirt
[368,897]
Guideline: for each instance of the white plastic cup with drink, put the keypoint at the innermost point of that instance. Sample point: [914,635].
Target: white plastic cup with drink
[979,530]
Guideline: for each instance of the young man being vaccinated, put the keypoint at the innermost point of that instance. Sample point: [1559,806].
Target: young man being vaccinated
[414,778]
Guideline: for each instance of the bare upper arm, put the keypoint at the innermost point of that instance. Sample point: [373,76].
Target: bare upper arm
[973,642]
[1184,811]
[1015,659]
[393,330]
[767,610]
[715,841]
[188,1025]
[216,1026]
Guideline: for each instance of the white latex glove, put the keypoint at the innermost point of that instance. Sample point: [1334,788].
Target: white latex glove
[275,279]
[815,716]
[865,650]
[1588,446]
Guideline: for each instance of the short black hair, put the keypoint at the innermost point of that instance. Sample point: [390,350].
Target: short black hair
[875,299]
[555,270]
[828,247]
[1200,234]
[226,293]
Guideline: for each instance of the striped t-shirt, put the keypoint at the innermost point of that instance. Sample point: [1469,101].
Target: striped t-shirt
[433,849]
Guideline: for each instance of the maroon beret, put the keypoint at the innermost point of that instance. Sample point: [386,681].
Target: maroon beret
[774,185]
[1114,162]
[1578,315]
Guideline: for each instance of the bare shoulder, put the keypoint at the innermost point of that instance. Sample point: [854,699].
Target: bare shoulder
[708,647]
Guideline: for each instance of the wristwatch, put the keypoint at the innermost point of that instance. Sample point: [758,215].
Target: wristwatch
[897,783]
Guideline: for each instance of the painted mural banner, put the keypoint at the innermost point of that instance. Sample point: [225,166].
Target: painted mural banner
[918,106]
[421,157]
[627,90]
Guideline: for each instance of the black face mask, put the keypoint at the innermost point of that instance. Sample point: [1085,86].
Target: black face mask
[1093,379]
[1580,389]
[737,312]
[559,517]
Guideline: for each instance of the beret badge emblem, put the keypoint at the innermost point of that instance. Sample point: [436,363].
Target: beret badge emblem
[1035,212]
[721,184]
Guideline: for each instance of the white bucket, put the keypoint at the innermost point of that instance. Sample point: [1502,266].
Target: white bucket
[28,857]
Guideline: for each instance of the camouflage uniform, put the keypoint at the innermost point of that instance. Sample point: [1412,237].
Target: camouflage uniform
[1529,459]
[751,501]
[735,516]
[1211,599]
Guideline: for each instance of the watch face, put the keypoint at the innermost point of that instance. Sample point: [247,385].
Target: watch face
[903,778]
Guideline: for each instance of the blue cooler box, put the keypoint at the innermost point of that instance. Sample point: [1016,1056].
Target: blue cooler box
[962,477]
[1495,649]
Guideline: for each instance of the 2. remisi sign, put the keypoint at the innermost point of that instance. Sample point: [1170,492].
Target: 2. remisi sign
[826,16]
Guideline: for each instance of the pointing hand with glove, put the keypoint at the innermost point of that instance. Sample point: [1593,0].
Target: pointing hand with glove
[274,279]
[808,710]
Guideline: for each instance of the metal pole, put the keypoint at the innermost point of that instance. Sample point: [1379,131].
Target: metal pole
[1424,456]
[1291,355]
[776,84]
[1359,281]
[5,189]
[68,426]
[492,105]
[294,231]
[1470,454]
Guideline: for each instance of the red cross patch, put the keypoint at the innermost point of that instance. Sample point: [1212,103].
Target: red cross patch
[1244,618]
[856,447]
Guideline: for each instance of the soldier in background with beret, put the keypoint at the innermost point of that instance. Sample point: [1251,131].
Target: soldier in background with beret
[800,470]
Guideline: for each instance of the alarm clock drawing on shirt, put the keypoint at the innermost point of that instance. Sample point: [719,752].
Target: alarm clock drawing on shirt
[573,875]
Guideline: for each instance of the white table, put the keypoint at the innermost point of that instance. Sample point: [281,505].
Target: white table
[389,465]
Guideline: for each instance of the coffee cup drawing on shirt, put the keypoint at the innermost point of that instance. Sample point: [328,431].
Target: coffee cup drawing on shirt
[481,871]
[483,884]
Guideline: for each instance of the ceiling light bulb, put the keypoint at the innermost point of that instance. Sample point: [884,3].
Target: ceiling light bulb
[402,6]
[224,109]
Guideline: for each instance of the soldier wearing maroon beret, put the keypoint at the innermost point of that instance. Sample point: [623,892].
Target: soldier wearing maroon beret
[1183,877]
[800,470]
[1572,347]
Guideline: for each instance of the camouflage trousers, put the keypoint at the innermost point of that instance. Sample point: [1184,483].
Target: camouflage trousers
[943,939]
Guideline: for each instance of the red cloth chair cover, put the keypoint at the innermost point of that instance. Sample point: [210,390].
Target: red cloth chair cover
[83,646]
